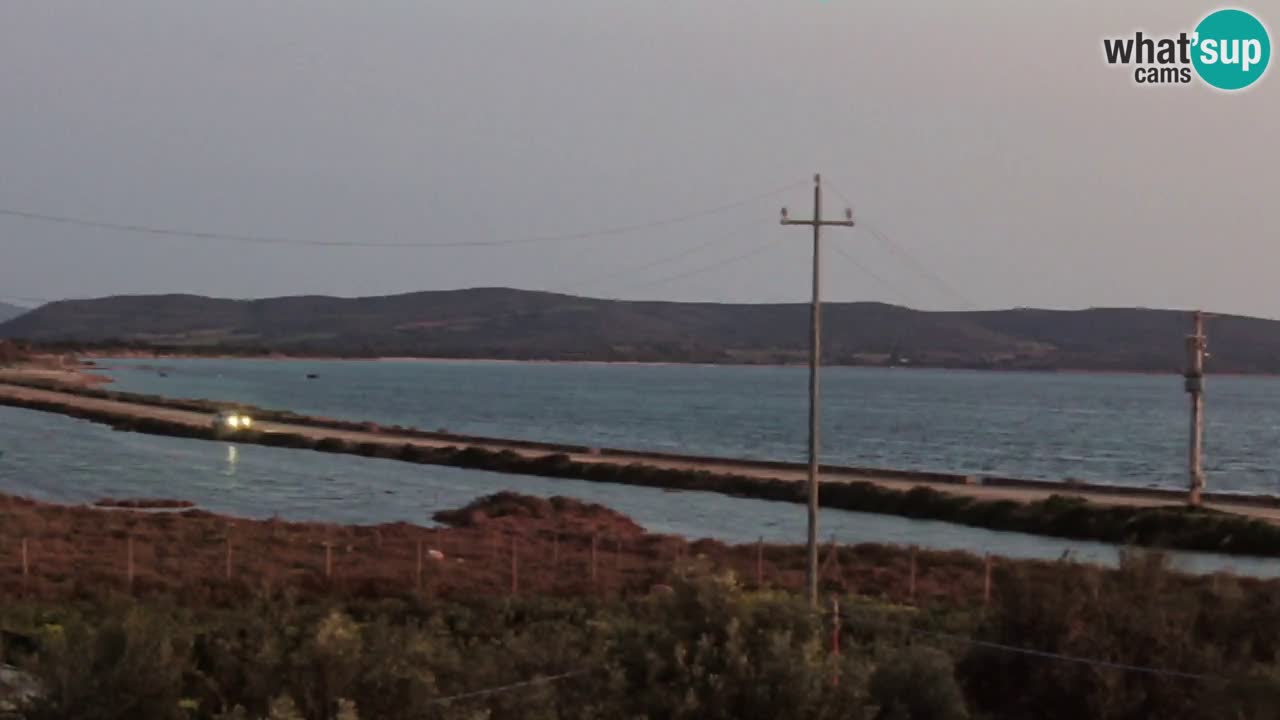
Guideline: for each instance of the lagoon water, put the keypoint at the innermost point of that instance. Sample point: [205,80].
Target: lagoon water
[1124,429]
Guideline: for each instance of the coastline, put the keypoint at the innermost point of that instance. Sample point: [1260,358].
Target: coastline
[139,355]
[459,553]
[78,376]
[1229,524]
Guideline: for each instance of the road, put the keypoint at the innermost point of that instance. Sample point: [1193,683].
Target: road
[1136,498]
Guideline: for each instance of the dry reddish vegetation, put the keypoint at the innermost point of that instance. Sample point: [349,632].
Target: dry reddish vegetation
[81,551]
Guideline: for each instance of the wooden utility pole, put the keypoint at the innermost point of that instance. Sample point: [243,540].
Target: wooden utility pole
[815,350]
[1196,345]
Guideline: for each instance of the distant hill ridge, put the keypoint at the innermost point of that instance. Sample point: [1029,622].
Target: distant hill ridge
[504,323]
[8,312]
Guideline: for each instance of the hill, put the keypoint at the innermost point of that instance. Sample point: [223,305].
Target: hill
[8,312]
[517,324]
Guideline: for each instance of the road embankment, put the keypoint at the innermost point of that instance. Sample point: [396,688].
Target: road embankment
[1148,517]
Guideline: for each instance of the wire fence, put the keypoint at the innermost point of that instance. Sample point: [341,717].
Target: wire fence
[836,618]
[81,550]
[127,553]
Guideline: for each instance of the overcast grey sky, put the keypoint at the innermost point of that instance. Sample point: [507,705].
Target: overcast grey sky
[987,138]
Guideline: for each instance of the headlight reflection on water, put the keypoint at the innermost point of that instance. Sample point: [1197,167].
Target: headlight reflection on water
[233,455]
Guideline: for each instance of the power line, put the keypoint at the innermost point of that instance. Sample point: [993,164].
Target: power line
[1075,658]
[143,229]
[919,266]
[626,270]
[755,250]
[507,688]
[985,644]
[590,280]
[1042,654]
[906,256]
[869,272]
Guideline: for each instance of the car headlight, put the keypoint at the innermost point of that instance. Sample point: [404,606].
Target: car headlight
[246,421]
[233,421]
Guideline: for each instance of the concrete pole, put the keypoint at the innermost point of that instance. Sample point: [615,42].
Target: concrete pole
[1196,345]
[815,364]
[815,355]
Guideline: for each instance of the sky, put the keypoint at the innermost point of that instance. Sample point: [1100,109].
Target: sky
[992,158]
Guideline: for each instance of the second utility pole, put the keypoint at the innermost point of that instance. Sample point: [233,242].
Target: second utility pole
[815,353]
[1195,387]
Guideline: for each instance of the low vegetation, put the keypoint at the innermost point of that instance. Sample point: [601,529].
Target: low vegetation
[1123,645]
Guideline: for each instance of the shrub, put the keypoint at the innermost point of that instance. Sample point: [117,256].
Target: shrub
[917,683]
[708,652]
[131,665]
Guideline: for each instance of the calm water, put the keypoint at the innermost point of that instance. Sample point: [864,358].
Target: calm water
[55,458]
[1123,429]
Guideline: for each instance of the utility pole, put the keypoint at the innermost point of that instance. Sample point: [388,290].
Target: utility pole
[1196,345]
[815,349]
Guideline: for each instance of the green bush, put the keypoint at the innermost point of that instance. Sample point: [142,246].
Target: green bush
[917,683]
[1141,615]
[132,664]
[708,652]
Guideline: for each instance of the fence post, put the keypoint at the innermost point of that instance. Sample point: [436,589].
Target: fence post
[826,561]
[911,577]
[328,561]
[515,567]
[129,562]
[986,581]
[833,558]
[555,549]
[417,575]
[25,565]
[835,638]
[760,562]
[593,558]
[228,568]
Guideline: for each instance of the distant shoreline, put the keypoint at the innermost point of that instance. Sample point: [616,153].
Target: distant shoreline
[137,355]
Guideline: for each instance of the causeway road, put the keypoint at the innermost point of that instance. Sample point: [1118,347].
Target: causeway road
[1023,491]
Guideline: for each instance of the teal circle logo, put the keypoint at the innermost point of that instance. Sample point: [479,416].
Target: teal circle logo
[1232,49]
